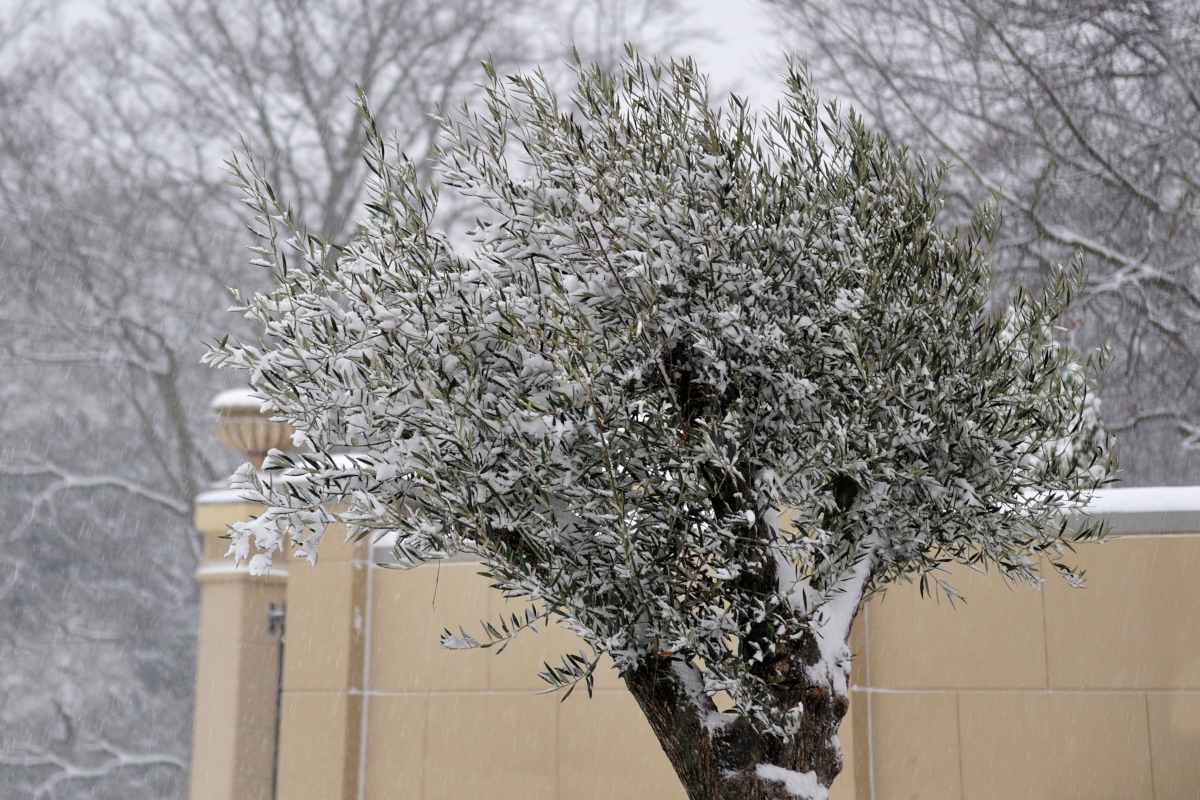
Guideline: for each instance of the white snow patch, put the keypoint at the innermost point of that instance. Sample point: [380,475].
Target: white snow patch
[221,496]
[238,400]
[1144,498]
[260,564]
[837,613]
[834,610]
[798,784]
[693,685]
[460,641]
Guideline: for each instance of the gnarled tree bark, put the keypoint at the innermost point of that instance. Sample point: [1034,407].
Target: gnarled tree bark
[719,757]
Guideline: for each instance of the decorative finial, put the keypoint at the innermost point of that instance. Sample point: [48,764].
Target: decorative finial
[242,426]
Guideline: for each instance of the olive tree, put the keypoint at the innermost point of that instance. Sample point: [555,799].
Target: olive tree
[699,382]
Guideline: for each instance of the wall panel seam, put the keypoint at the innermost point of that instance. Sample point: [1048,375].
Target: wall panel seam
[1150,750]
[962,777]
[369,624]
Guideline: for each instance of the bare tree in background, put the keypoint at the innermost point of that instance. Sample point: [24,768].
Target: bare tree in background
[599,29]
[118,236]
[1083,118]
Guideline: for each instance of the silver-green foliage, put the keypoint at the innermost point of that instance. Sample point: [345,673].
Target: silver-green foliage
[671,323]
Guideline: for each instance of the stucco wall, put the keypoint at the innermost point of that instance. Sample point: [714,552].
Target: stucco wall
[1038,693]
[1022,692]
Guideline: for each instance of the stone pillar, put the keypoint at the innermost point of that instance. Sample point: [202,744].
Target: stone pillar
[320,742]
[237,659]
[233,740]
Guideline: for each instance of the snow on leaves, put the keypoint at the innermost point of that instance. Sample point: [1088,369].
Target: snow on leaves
[670,324]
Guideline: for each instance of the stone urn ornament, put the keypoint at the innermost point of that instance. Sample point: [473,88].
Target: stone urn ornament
[243,427]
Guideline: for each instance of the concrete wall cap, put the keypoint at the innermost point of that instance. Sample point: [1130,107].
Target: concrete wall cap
[1125,511]
[215,572]
[1148,509]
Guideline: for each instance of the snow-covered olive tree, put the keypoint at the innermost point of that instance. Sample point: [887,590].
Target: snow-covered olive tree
[700,381]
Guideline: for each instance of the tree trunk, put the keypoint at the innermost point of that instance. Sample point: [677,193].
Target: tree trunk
[722,762]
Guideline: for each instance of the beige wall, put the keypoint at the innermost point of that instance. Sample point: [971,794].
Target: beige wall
[1039,693]
[474,724]
[445,725]
[1021,693]
[323,705]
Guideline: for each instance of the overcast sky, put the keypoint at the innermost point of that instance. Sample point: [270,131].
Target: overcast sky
[741,55]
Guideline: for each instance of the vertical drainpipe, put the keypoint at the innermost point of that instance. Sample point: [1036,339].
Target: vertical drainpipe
[277,627]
